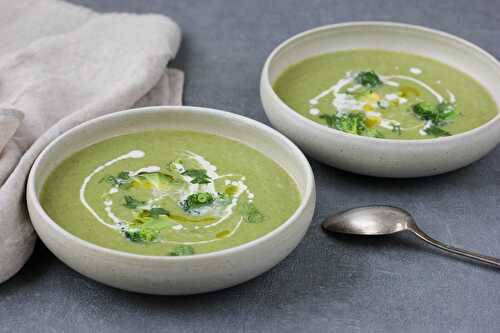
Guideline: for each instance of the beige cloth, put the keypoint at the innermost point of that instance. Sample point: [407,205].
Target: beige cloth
[60,65]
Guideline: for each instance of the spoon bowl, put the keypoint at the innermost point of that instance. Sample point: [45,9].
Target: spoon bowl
[386,220]
[369,220]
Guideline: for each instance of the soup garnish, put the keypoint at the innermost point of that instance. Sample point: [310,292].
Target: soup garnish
[385,94]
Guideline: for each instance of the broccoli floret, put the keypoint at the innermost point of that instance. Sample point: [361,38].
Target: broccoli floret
[351,123]
[141,235]
[368,79]
[197,200]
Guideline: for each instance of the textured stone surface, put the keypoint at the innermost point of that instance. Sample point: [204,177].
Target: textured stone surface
[329,284]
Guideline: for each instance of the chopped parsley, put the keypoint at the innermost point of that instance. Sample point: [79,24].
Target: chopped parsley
[122,180]
[199,176]
[250,213]
[352,123]
[131,202]
[182,250]
[436,131]
[439,114]
[197,200]
[368,79]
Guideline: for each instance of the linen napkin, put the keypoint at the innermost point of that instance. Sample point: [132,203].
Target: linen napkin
[60,65]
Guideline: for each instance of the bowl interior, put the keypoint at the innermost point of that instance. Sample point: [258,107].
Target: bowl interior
[256,135]
[440,46]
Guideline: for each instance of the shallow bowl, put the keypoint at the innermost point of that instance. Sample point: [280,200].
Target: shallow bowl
[383,157]
[174,275]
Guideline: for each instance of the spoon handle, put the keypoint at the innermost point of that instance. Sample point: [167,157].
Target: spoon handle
[476,256]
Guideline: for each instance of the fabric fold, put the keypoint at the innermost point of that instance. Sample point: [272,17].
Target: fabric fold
[78,66]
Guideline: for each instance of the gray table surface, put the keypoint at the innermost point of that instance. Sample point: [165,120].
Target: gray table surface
[328,284]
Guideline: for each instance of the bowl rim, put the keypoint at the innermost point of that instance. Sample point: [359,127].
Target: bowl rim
[309,193]
[265,80]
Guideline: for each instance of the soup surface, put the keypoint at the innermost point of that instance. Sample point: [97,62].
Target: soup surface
[169,193]
[385,94]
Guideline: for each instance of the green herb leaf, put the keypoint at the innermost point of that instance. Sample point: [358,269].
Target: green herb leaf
[111,180]
[182,250]
[197,200]
[123,180]
[425,111]
[123,176]
[133,235]
[368,79]
[436,131]
[157,211]
[199,176]
[439,114]
[250,213]
[131,202]
[446,111]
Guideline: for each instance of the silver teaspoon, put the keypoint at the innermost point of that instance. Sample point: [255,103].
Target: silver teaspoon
[385,220]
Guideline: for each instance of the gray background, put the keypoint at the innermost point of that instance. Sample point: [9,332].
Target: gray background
[328,284]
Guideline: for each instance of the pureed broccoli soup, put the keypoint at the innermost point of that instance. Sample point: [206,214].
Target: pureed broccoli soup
[169,193]
[385,94]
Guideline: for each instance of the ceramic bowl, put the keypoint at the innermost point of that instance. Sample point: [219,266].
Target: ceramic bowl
[174,275]
[383,157]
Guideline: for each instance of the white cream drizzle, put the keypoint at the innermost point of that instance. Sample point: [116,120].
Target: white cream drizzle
[148,169]
[391,83]
[415,70]
[314,111]
[131,154]
[389,124]
[420,83]
[451,97]
[354,88]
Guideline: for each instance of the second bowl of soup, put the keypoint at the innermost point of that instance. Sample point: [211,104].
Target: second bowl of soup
[384,99]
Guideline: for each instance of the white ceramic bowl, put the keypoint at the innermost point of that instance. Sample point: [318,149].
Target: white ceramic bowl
[383,157]
[174,275]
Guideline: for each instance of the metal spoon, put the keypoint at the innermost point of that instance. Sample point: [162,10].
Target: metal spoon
[385,220]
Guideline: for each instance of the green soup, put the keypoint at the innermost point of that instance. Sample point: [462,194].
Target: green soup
[169,193]
[385,94]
